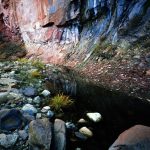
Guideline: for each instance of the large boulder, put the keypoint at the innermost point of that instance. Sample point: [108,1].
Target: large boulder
[40,134]
[60,134]
[11,119]
[135,138]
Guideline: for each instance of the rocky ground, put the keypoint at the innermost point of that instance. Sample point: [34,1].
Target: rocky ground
[26,118]
[125,73]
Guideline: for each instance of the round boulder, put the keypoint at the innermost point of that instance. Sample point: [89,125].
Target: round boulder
[135,138]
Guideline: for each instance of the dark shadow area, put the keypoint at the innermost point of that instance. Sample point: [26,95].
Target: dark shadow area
[119,111]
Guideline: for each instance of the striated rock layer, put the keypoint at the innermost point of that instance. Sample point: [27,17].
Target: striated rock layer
[54,30]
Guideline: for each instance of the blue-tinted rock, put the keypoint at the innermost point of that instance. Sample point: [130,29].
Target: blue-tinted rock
[59,135]
[29,109]
[11,119]
[29,91]
[40,134]
[50,114]
[80,136]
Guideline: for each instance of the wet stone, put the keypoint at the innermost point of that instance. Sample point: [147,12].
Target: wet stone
[11,119]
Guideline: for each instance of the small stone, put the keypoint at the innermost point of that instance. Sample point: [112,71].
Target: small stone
[95,117]
[12,73]
[13,105]
[80,136]
[8,140]
[82,121]
[38,115]
[85,131]
[37,100]
[50,114]
[70,125]
[30,109]
[29,91]
[23,134]
[29,100]
[46,93]
[45,109]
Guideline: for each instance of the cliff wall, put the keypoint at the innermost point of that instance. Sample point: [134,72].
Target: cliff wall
[56,30]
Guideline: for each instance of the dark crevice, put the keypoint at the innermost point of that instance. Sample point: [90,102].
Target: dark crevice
[48,25]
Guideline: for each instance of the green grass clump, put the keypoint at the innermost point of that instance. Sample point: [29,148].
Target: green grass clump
[60,102]
[38,64]
[23,60]
[35,74]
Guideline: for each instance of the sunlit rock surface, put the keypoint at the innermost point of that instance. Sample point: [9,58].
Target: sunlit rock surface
[58,30]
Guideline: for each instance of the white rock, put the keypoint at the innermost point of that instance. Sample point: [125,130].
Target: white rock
[29,108]
[45,109]
[82,121]
[85,131]
[96,117]
[38,115]
[46,93]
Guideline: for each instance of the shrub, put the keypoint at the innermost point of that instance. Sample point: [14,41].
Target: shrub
[60,102]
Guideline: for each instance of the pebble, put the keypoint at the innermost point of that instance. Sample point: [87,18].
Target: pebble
[45,109]
[85,131]
[70,125]
[28,108]
[23,134]
[30,100]
[46,93]
[80,136]
[37,100]
[38,115]
[82,121]
[29,91]
[95,117]
[50,114]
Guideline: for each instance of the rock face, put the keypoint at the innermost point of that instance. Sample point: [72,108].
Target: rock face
[55,30]
[40,134]
[137,137]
